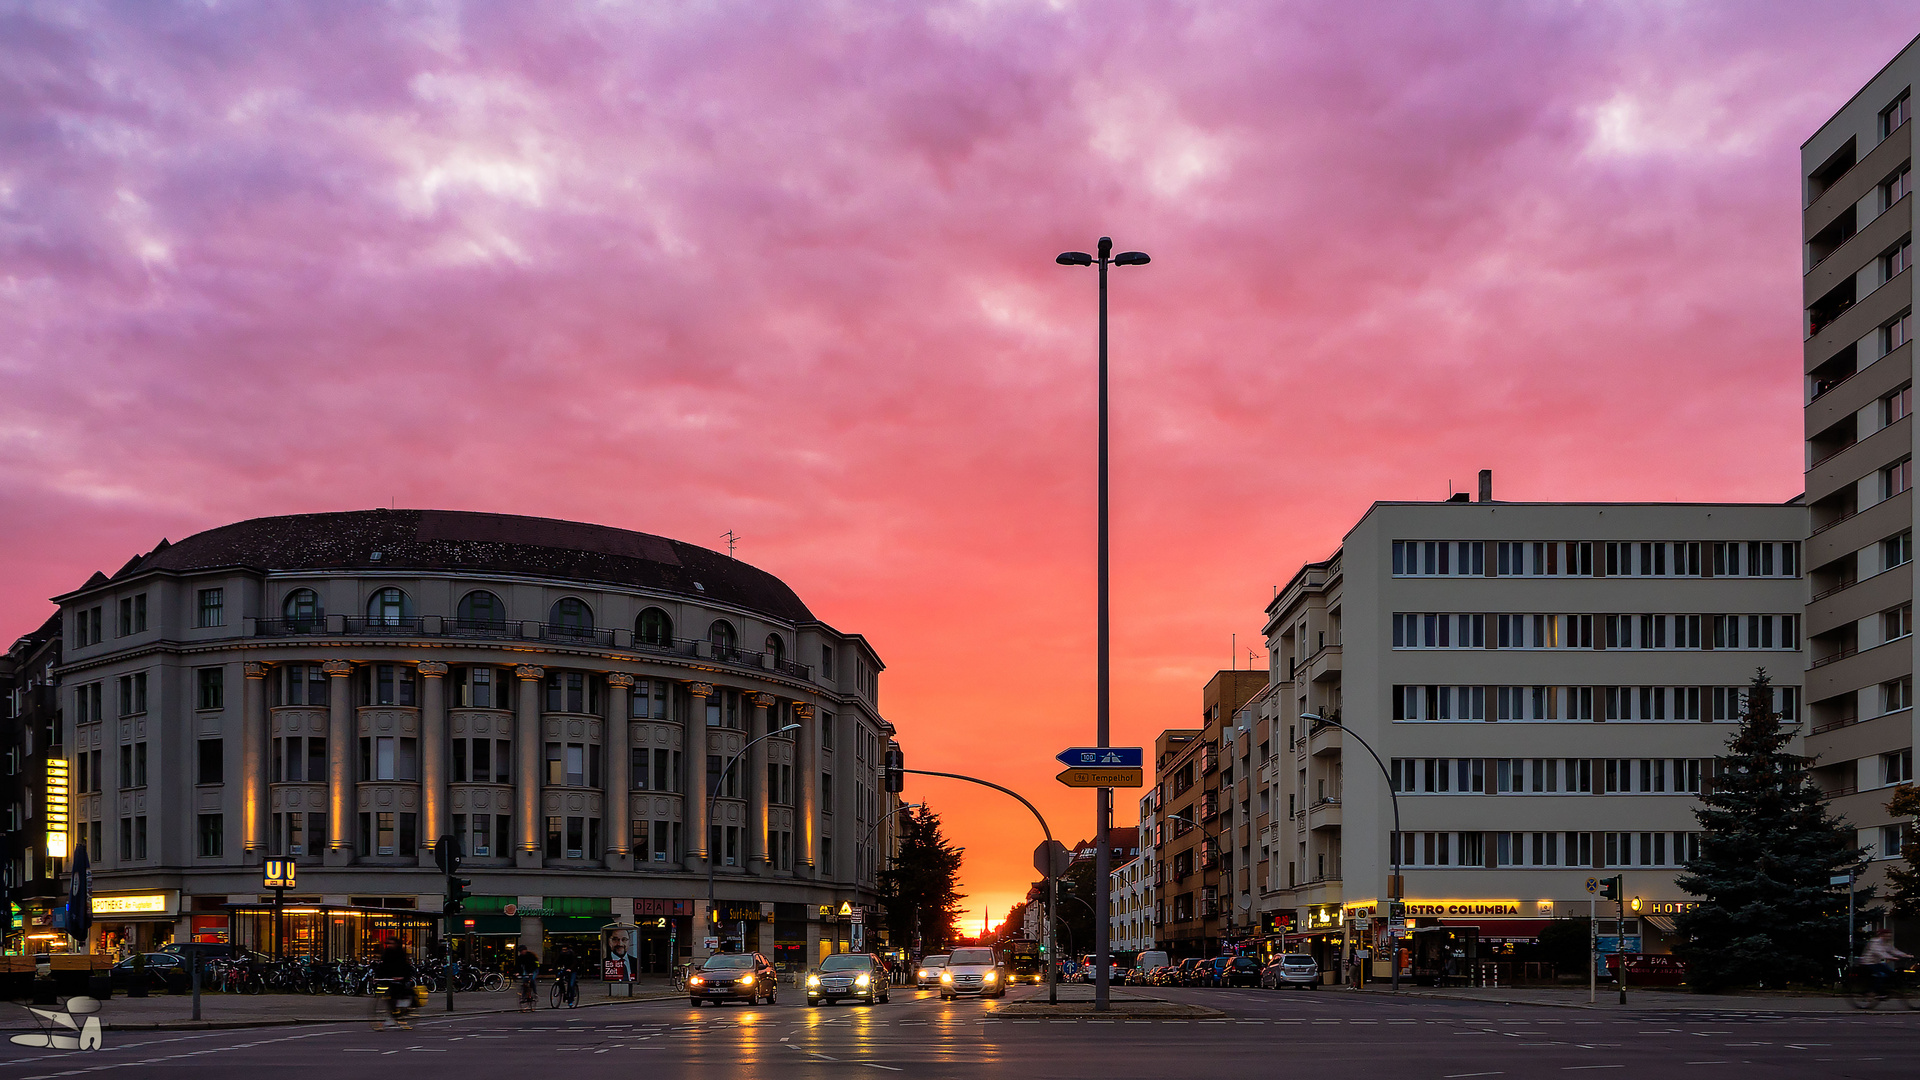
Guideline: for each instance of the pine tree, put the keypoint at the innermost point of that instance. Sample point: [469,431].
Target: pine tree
[921,890]
[1768,851]
[1904,881]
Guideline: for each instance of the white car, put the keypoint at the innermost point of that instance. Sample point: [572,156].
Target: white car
[930,969]
[972,971]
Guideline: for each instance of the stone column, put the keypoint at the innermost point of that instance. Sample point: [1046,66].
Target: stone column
[433,753]
[255,733]
[526,778]
[617,802]
[340,803]
[757,786]
[694,753]
[806,762]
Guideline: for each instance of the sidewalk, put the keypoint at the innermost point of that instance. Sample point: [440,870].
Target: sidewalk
[1650,999]
[1076,1000]
[168,1012]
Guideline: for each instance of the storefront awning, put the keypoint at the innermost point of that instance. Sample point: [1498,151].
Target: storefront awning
[1662,923]
[1502,929]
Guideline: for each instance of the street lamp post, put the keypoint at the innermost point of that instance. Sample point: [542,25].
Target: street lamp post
[713,793]
[1393,885]
[868,841]
[1103,797]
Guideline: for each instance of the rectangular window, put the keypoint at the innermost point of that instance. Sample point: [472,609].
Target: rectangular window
[212,762]
[212,840]
[576,775]
[410,833]
[212,608]
[1896,695]
[556,765]
[1897,623]
[576,838]
[482,842]
[1896,114]
[126,840]
[213,688]
[1896,550]
[1897,767]
[1436,558]
[502,834]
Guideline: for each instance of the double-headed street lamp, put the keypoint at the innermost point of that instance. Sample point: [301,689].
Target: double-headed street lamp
[713,792]
[1393,884]
[1103,797]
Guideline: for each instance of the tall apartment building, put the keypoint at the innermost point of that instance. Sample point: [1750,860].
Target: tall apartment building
[1200,830]
[1547,687]
[1859,292]
[30,858]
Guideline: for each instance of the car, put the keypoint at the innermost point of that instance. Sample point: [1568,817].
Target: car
[158,971]
[1236,971]
[1298,970]
[930,969]
[850,975]
[972,970]
[744,977]
[1151,959]
[1188,972]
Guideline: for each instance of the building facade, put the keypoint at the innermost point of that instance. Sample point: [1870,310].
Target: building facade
[1547,687]
[595,716]
[1200,827]
[29,738]
[1859,292]
[1130,894]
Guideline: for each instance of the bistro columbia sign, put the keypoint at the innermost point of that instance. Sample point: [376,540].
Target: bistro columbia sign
[1458,908]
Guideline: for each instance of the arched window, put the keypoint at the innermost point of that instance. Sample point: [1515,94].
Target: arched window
[303,609]
[389,607]
[722,637]
[481,609]
[571,613]
[653,628]
[776,648]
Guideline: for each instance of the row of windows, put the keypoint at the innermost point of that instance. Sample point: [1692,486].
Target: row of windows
[1469,630]
[1548,776]
[1546,849]
[1575,558]
[1577,703]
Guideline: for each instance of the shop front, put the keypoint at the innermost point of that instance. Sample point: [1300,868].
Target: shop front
[134,922]
[329,932]
[665,929]
[738,924]
[789,937]
[570,930]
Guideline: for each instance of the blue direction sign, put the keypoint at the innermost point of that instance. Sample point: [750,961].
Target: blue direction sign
[1101,757]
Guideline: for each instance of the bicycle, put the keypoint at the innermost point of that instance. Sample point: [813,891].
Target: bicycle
[529,991]
[387,1004]
[565,990]
[1866,991]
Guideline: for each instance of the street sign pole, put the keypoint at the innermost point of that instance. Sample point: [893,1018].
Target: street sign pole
[1620,931]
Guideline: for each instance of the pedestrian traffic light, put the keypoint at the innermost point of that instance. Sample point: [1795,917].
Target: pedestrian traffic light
[896,769]
[1610,887]
[446,855]
[457,894]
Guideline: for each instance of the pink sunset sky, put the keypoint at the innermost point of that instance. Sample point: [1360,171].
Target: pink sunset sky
[787,269]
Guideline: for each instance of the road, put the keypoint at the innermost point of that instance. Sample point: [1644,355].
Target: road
[1329,1034]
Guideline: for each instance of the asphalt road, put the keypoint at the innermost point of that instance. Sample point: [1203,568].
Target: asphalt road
[1328,1034]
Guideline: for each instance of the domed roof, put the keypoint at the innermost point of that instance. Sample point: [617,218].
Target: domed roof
[462,541]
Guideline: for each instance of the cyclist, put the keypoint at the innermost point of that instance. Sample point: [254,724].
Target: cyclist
[1878,959]
[395,970]
[569,978]
[529,979]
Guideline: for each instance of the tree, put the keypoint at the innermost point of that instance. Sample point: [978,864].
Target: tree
[1768,851]
[1567,944]
[921,890]
[1905,880]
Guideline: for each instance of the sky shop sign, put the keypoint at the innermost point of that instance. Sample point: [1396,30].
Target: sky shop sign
[1462,909]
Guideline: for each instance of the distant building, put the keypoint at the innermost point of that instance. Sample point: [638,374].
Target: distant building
[30,724]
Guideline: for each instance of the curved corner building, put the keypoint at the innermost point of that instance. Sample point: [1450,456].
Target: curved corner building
[344,689]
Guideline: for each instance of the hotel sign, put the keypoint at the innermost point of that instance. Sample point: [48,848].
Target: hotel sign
[55,810]
[1667,907]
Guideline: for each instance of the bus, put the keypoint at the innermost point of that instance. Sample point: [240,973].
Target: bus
[1024,963]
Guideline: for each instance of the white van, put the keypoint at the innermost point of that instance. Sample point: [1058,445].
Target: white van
[1150,959]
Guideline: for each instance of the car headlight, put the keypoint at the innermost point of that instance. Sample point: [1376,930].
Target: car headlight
[861,981]
[747,980]
[697,981]
[946,976]
[925,974]
[991,976]
[813,980]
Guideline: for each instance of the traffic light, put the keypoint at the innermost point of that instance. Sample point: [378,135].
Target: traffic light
[446,855]
[1610,887]
[896,769]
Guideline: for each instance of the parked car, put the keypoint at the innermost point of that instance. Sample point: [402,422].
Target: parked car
[1236,971]
[744,977]
[158,971]
[851,975]
[930,969]
[1188,973]
[1151,959]
[1297,970]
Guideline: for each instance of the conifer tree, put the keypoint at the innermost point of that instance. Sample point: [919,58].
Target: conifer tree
[921,890]
[1768,850]
[1903,878]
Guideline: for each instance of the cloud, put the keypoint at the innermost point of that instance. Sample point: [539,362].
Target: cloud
[787,270]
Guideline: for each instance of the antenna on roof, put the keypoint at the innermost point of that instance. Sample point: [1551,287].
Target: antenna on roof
[732,540]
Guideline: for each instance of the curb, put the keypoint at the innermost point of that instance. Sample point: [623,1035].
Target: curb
[298,1021]
[1704,1006]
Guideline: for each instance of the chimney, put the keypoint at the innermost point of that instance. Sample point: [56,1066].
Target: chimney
[1486,485]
